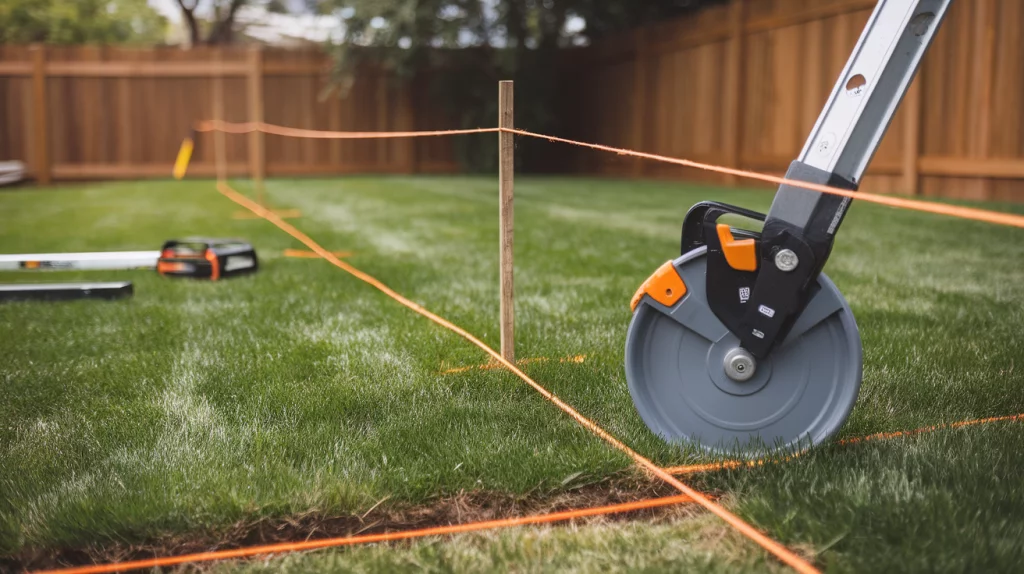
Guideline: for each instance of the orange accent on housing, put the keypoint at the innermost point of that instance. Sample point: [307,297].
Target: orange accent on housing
[665,287]
[31,265]
[741,254]
[164,267]
[214,265]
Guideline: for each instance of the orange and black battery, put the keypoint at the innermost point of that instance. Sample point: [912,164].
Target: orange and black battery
[201,258]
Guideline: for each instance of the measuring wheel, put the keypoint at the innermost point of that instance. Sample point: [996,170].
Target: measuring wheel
[742,345]
[692,381]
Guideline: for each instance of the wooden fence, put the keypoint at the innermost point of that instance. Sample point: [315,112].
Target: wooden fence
[100,113]
[741,84]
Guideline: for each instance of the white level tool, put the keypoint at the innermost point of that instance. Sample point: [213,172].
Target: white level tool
[742,345]
[80,261]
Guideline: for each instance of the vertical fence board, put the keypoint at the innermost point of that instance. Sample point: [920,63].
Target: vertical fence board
[640,99]
[40,128]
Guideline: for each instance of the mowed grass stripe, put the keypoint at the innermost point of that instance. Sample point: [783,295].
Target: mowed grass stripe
[323,399]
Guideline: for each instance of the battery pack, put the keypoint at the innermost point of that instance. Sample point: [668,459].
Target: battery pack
[203,258]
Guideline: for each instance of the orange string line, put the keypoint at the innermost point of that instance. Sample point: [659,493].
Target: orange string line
[372,538]
[578,359]
[970,213]
[713,466]
[249,127]
[730,464]
[778,550]
[930,429]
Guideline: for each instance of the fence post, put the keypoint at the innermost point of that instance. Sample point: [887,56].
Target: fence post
[219,146]
[506,171]
[40,109]
[640,81]
[257,155]
[912,136]
[732,120]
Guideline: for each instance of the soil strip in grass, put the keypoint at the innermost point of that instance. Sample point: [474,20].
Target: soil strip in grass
[380,517]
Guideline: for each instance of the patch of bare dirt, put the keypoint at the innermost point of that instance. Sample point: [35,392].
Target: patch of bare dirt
[383,516]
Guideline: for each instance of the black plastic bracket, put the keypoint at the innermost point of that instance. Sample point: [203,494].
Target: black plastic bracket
[760,306]
[693,235]
[804,222]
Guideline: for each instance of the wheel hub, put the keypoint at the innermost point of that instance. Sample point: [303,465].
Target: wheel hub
[740,365]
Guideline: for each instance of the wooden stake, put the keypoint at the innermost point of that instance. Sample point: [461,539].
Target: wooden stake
[506,170]
[219,148]
[41,128]
[257,157]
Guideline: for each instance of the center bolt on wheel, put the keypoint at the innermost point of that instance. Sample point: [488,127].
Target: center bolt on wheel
[740,365]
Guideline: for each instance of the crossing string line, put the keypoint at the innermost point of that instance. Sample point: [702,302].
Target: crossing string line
[577,359]
[962,212]
[933,428]
[731,464]
[247,552]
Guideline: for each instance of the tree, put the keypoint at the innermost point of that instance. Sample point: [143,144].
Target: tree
[80,22]
[522,24]
[222,23]
[470,44]
[609,16]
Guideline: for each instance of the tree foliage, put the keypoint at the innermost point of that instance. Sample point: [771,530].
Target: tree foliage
[79,22]
[532,24]
[467,45]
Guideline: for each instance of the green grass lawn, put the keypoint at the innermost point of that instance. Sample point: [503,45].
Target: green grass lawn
[196,407]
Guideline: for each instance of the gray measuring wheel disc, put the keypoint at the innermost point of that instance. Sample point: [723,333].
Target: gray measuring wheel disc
[799,396]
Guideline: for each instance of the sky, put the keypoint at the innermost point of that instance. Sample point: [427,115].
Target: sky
[268,27]
[280,28]
[169,9]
